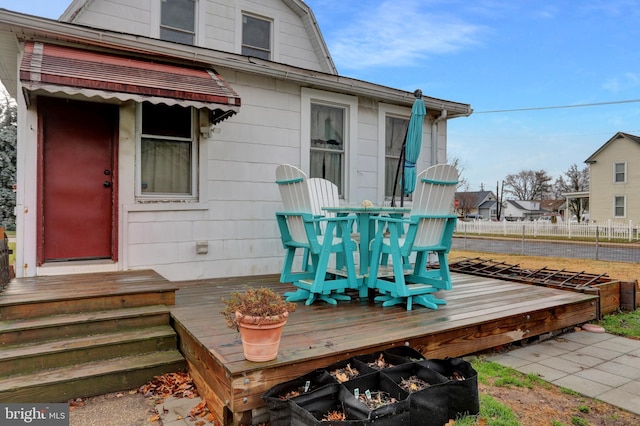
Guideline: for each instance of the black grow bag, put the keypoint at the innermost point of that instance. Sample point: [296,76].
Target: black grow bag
[407,352]
[391,413]
[278,397]
[352,364]
[312,407]
[428,406]
[462,387]
[387,359]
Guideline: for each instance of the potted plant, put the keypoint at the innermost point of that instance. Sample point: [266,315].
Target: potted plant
[259,315]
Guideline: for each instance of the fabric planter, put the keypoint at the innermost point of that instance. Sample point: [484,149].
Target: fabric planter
[381,360]
[407,352]
[312,407]
[462,387]
[278,398]
[368,388]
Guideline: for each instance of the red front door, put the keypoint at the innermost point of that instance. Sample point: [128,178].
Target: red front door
[77,180]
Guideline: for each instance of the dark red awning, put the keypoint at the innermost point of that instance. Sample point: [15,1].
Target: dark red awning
[56,69]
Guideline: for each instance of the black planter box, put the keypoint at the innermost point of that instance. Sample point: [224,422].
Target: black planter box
[462,387]
[407,352]
[393,413]
[309,409]
[428,406]
[389,358]
[278,402]
[354,363]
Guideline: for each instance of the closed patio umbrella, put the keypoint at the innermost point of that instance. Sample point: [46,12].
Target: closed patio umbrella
[413,143]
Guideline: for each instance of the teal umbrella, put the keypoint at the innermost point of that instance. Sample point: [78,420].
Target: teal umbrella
[413,142]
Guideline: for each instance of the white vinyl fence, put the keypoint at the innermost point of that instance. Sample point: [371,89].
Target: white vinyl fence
[603,231]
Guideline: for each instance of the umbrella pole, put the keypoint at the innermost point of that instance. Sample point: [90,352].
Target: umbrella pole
[395,181]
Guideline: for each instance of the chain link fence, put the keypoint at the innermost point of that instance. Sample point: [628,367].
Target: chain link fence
[523,245]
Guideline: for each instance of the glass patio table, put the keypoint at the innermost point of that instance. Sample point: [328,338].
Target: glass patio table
[367,233]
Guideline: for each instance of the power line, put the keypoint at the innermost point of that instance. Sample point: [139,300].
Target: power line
[558,106]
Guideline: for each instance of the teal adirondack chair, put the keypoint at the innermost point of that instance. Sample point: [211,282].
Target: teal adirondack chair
[319,236]
[429,228]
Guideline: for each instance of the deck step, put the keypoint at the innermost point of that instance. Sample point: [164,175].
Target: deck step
[28,358]
[64,337]
[56,327]
[88,379]
[14,308]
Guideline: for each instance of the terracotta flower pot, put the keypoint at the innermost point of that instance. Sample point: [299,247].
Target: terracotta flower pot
[261,336]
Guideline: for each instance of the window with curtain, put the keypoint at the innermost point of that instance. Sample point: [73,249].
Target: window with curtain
[618,206]
[256,37]
[327,143]
[167,152]
[177,21]
[395,132]
[619,172]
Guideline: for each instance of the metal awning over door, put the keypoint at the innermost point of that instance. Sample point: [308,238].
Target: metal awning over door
[60,69]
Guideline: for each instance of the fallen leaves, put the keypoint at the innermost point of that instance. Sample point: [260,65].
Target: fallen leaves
[178,385]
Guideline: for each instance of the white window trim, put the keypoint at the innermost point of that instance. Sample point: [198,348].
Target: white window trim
[199,25]
[350,104]
[624,206]
[252,9]
[199,175]
[615,163]
[383,111]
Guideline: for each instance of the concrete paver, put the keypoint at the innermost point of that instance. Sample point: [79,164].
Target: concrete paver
[597,365]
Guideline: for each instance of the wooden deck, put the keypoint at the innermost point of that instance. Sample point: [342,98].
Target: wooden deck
[481,313]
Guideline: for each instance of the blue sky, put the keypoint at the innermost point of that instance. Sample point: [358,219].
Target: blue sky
[495,55]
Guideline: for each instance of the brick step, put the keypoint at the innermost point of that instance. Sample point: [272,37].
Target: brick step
[28,358]
[41,329]
[88,379]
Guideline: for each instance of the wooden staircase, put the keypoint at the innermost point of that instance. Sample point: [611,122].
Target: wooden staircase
[83,335]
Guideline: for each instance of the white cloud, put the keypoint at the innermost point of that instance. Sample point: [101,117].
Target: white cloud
[623,82]
[393,35]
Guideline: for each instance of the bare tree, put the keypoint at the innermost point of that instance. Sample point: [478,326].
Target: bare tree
[528,185]
[574,180]
[457,163]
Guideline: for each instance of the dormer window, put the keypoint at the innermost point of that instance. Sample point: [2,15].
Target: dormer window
[256,37]
[177,21]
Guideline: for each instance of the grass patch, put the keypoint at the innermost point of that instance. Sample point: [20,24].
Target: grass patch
[492,413]
[490,373]
[625,324]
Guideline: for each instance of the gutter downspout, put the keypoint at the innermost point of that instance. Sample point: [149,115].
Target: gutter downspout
[434,136]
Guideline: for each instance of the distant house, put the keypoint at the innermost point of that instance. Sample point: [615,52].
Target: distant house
[614,180]
[522,210]
[476,203]
[149,133]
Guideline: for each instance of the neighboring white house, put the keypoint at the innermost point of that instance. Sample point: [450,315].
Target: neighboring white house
[476,204]
[149,132]
[521,210]
[614,180]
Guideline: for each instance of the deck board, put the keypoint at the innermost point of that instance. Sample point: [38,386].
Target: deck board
[480,313]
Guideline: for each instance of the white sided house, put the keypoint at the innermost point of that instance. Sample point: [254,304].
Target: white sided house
[614,180]
[149,133]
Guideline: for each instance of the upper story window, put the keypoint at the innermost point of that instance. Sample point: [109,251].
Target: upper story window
[619,171]
[327,143]
[177,21]
[167,153]
[395,133]
[256,37]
